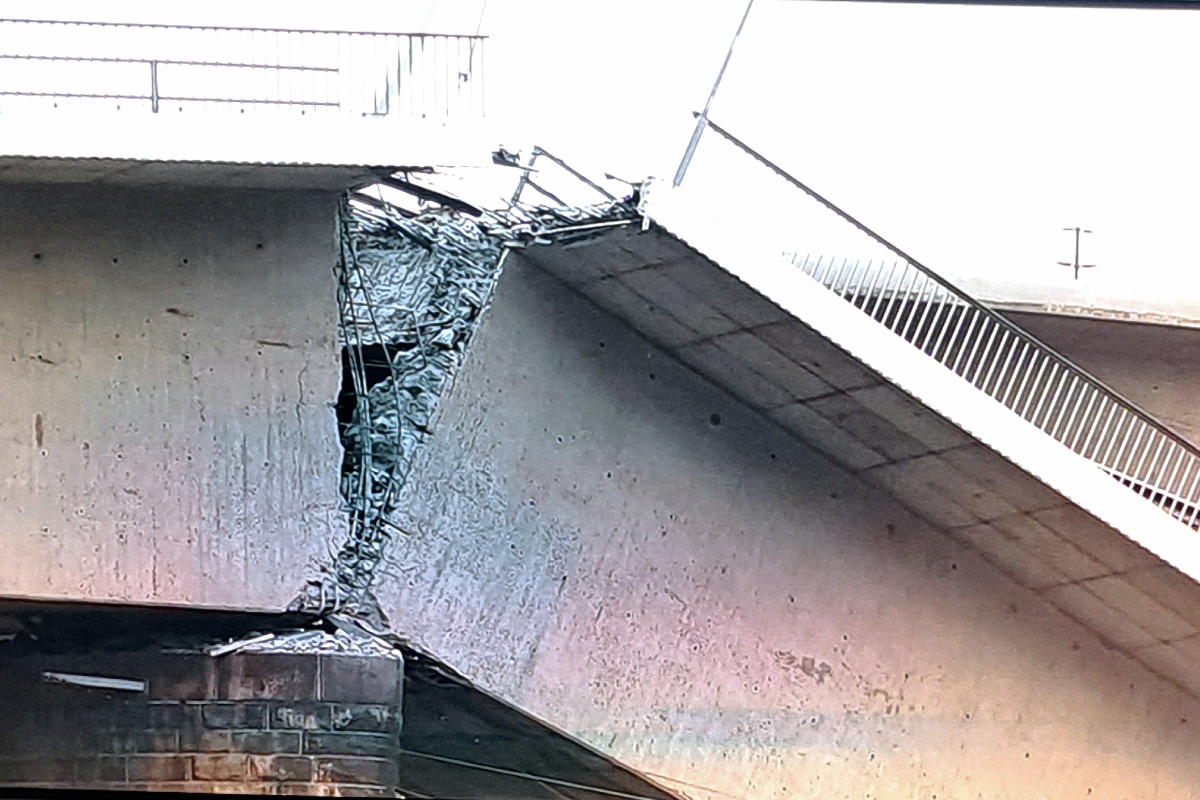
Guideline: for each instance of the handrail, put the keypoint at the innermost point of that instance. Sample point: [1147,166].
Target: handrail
[241,28]
[526,179]
[167,62]
[362,72]
[1083,413]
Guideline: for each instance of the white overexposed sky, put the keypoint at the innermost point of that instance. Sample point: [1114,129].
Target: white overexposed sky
[968,135]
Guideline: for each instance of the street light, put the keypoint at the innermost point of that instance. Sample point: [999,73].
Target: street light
[1077,265]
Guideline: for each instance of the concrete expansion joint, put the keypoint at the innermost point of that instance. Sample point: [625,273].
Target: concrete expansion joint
[654,265]
[918,456]
[708,339]
[810,399]
[1028,513]
[1194,636]
[937,451]
[621,276]
[1083,582]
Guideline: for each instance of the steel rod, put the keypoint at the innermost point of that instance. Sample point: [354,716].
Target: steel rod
[1013,377]
[702,117]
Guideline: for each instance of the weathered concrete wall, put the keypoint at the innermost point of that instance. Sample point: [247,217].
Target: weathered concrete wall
[168,364]
[1156,366]
[606,539]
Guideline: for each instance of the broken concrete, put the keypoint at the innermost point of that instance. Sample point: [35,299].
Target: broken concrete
[411,292]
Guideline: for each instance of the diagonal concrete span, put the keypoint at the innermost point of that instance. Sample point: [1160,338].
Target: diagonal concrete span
[768,332]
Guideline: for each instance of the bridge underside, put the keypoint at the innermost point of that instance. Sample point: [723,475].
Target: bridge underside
[746,344]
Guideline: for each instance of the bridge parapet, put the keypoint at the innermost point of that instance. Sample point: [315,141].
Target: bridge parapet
[149,68]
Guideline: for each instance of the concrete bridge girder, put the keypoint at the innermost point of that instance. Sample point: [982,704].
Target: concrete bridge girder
[737,338]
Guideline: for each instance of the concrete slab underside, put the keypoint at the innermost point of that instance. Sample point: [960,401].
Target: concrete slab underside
[133,172]
[313,143]
[744,343]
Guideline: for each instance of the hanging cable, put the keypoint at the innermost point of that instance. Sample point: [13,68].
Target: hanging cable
[527,776]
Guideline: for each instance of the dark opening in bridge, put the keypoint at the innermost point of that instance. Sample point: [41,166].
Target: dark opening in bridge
[374,365]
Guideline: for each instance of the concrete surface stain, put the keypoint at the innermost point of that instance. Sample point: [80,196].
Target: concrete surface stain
[807,665]
[817,672]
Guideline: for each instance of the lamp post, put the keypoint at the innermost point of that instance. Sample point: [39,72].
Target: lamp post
[1077,265]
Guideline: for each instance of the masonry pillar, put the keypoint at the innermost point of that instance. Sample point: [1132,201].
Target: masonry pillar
[308,723]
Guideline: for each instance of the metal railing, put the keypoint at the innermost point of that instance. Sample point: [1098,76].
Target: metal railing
[527,182]
[1007,364]
[176,67]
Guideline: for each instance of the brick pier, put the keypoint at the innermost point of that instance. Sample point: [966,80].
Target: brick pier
[264,723]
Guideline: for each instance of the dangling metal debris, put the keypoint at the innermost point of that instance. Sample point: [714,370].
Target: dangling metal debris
[411,290]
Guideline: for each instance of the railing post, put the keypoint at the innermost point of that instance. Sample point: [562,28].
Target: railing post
[154,86]
[516,198]
[702,117]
